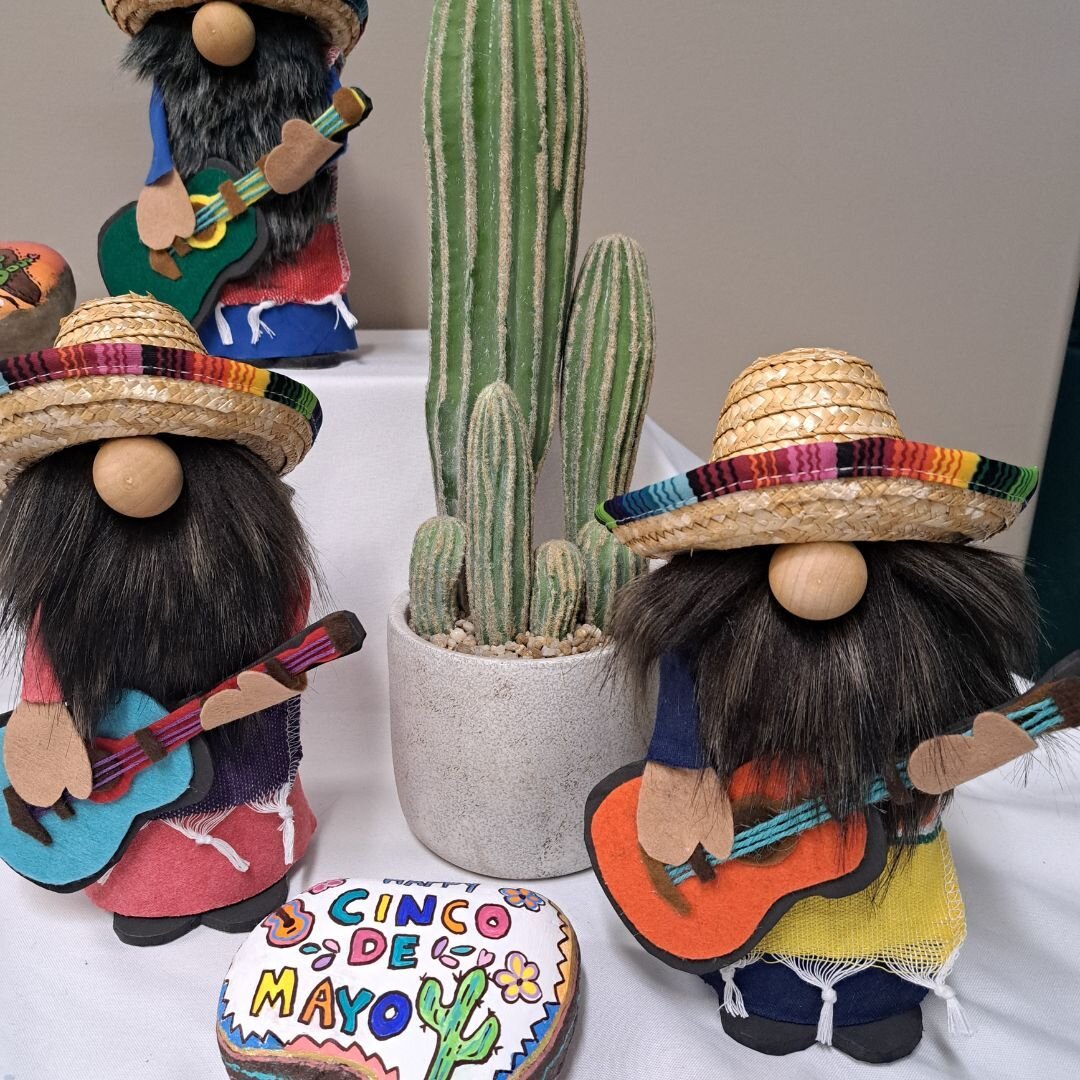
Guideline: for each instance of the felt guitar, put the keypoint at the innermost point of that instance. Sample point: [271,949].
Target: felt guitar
[230,234]
[706,914]
[145,760]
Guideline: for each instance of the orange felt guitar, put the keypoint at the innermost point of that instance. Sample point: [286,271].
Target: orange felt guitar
[708,913]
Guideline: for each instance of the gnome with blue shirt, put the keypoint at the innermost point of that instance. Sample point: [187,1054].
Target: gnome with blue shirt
[226,78]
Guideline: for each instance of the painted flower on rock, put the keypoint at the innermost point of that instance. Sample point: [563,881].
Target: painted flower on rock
[518,980]
[525,898]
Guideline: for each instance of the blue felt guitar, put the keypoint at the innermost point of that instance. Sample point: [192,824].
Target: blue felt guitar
[148,762]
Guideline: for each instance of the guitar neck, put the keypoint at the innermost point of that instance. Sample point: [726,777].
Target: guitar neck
[253,186]
[321,643]
[1043,709]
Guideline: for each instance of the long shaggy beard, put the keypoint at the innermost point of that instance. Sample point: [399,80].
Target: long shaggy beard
[832,705]
[236,113]
[170,606]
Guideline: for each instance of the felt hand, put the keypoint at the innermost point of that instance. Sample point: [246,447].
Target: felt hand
[938,765]
[164,212]
[44,755]
[681,808]
[299,156]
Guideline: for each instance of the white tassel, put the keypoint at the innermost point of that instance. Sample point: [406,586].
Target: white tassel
[223,328]
[824,974]
[733,1003]
[255,320]
[343,312]
[278,803]
[957,1018]
[935,982]
[199,828]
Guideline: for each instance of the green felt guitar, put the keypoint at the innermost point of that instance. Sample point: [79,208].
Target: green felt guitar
[224,246]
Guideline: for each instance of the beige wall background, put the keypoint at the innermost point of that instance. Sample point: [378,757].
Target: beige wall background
[901,180]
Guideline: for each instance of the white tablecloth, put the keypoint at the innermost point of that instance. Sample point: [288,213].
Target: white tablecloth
[75,1004]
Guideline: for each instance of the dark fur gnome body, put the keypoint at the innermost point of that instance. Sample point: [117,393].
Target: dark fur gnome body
[820,618]
[170,607]
[294,302]
[937,636]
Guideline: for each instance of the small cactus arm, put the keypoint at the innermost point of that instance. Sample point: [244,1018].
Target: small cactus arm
[454,1047]
[558,588]
[608,567]
[504,127]
[607,376]
[438,559]
[499,490]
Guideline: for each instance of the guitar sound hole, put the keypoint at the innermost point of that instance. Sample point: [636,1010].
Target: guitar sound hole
[752,811]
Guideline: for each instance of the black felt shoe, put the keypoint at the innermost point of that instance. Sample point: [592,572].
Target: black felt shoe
[242,918]
[774,1037]
[239,918]
[883,1040]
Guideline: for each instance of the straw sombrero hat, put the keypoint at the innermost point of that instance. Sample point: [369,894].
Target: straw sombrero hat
[343,21]
[808,449]
[130,365]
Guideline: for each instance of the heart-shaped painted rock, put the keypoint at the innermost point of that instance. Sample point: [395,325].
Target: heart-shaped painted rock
[403,980]
[36,291]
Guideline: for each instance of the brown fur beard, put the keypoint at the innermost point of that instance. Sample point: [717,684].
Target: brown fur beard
[171,605]
[830,706]
[236,113]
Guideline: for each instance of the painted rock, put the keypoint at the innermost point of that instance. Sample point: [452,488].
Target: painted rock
[403,980]
[36,291]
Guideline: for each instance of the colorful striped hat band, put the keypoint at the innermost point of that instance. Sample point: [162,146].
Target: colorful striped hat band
[130,365]
[808,449]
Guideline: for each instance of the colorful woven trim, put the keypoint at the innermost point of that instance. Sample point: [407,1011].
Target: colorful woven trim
[814,462]
[82,361]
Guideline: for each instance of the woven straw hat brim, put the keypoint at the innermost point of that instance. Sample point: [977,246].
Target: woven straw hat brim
[343,23]
[840,510]
[863,489]
[40,420]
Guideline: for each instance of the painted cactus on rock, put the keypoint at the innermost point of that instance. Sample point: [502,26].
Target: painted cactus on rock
[504,124]
[449,1022]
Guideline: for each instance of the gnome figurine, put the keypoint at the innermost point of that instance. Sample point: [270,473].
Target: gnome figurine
[149,547]
[244,85]
[821,620]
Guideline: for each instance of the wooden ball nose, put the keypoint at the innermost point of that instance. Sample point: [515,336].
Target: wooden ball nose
[817,581]
[223,33]
[138,477]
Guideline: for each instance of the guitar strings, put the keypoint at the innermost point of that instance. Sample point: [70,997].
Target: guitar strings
[1037,720]
[132,753]
[253,186]
[111,767]
[118,763]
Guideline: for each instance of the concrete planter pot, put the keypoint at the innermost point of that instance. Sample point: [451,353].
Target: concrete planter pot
[495,758]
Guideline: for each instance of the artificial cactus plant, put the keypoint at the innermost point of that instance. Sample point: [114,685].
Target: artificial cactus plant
[504,126]
[498,516]
[511,348]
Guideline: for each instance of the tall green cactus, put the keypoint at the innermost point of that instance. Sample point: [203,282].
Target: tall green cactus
[438,558]
[504,124]
[558,587]
[499,491]
[607,375]
[454,1047]
[608,567]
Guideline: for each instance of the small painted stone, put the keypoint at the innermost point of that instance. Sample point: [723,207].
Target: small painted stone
[403,980]
[37,290]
